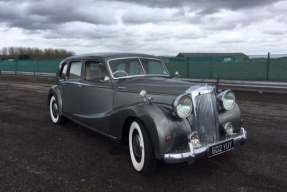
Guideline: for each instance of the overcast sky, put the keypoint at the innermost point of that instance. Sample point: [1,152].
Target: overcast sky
[162,27]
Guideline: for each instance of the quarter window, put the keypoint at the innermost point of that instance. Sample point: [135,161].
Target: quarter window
[64,71]
[75,70]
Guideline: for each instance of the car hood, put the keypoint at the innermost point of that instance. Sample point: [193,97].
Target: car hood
[155,85]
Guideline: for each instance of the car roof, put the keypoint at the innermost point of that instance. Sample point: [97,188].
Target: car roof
[109,55]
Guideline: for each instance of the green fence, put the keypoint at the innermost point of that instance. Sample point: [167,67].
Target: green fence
[249,69]
[34,66]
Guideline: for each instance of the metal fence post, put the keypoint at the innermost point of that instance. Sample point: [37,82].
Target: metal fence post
[34,69]
[37,68]
[16,66]
[188,69]
[268,67]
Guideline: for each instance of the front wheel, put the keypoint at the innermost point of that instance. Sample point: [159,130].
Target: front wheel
[140,148]
[54,110]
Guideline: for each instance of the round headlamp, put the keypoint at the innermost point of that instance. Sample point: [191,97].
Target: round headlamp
[228,100]
[183,106]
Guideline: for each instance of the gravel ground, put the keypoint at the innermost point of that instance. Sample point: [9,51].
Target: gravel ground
[36,155]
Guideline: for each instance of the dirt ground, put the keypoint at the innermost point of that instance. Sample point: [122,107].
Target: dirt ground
[36,155]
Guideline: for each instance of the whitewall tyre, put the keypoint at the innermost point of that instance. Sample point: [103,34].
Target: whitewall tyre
[140,148]
[54,110]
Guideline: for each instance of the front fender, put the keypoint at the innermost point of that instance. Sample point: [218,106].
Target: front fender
[166,131]
[233,116]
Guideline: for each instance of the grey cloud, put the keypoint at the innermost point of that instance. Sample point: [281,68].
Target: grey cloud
[45,14]
[95,33]
[152,16]
[48,14]
[67,11]
[206,6]
[17,17]
[228,42]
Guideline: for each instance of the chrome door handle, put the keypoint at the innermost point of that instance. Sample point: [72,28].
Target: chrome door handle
[122,88]
[80,85]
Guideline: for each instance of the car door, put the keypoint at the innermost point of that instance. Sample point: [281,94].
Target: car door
[96,99]
[71,89]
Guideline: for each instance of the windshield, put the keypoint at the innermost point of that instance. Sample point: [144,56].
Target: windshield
[137,67]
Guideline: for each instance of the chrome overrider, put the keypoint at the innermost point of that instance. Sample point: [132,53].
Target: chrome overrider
[194,153]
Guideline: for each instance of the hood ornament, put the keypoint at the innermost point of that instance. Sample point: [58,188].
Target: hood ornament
[147,98]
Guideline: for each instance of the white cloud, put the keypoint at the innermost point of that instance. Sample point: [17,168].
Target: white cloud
[92,26]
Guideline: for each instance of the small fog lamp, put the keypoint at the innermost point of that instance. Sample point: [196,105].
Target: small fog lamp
[228,127]
[194,139]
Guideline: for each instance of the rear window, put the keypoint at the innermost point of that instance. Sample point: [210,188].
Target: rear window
[75,70]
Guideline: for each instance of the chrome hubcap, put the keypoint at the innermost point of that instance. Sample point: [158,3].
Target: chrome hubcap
[137,149]
[136,146]
[55,109]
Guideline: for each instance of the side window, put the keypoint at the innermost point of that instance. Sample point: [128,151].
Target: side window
[94,71]
[64,71]
[75,70]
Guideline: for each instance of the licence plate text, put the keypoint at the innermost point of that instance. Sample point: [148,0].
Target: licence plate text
[220,148]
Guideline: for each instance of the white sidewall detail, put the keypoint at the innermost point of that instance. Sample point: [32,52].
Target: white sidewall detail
[54,119]
[137,165]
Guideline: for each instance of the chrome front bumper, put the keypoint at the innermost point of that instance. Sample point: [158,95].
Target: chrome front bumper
[198,152]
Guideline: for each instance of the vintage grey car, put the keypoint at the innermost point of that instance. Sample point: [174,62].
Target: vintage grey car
[131,98]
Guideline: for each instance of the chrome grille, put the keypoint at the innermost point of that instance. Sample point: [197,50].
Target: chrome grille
[206,118]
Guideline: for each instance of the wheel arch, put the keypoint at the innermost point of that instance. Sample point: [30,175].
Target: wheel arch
[152,133]
[126,127]
[54,90]
[146,115]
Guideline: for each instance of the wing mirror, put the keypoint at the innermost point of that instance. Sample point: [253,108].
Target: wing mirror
[176,74]
[107,78]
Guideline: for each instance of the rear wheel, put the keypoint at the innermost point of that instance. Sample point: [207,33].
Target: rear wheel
[141,151]
[54,110]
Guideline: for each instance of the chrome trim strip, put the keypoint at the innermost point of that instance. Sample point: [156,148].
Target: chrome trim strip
[142,65]
[81,84]
[195,153]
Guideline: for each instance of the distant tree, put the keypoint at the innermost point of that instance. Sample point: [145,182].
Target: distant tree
[4,51]
[34,53]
